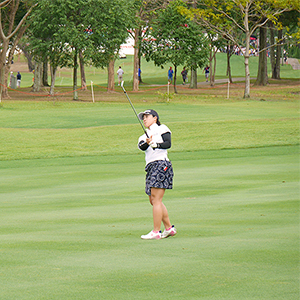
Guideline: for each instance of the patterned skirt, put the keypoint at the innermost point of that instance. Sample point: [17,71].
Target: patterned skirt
[159,175]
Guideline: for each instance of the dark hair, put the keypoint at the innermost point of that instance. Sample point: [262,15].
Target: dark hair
[157,121]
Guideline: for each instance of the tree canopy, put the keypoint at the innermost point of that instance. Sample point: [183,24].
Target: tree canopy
[175,31]
[176,39]
[245,16]
[62,29]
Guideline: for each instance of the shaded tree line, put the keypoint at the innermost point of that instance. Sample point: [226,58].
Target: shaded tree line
[74,33]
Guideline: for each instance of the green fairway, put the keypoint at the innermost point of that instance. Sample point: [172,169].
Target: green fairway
[73,207]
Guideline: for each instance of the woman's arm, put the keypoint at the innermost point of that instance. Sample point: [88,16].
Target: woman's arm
[143,145]
[166,144]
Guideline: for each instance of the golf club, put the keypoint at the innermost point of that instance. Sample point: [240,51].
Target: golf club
[122,85]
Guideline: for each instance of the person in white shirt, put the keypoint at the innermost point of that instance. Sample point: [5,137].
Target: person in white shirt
[120,73]
[159,170]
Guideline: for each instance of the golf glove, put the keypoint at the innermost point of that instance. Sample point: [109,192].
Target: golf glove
[153,145]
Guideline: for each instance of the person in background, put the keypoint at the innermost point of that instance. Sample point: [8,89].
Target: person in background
[170,75]
[11,78]
[206,70]
[19,79]
[184,75]
[139,75]
[120,73]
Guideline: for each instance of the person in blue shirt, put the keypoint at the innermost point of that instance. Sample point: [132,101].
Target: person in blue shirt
[170,75]
[206,70]
[139,75]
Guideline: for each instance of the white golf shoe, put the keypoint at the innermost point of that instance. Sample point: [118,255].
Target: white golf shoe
[152,236]
[171,232]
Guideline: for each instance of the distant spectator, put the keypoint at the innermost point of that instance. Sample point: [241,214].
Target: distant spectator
[170,75]
[120,73]
[19,79]
[284,56]
[206,70]
[139,75]
[11,78]
[184,75]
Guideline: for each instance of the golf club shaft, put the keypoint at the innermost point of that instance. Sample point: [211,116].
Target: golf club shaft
[122,85]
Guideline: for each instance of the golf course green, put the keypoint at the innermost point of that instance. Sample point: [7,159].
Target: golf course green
[73,207]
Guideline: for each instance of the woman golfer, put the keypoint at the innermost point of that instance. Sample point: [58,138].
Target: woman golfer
[159,170]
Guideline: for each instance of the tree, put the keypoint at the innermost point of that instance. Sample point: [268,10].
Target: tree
[145,11]
[67,29]
[262,73]
[245,16]
[11,31]
[282,34]
[176,39]
[215,43]
[293,36]
[48,40]
[110,29]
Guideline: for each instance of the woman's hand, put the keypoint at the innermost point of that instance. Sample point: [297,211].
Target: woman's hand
[149,140]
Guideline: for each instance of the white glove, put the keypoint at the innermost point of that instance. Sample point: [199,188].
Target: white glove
[153,145]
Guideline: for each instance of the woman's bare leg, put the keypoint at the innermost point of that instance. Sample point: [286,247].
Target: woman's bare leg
[165,218]
[160,213]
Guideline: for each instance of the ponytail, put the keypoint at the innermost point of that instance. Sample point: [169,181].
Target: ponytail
[157,121]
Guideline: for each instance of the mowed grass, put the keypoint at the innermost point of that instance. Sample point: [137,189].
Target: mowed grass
[73,207]
[67,129]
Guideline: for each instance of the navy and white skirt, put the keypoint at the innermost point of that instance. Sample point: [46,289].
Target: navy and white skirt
[159,175]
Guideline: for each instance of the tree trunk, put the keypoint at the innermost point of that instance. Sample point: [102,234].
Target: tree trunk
[6,75]
[247,77]
[175,77]
[53,77]
[262,73]
[45,72]
[278,54]
[193,78]
[13,47]
[37,83]
[111,76]
[7,71]
[12,8]
[213,72]
[272,49]
[136,59]
[210,74]
[212,62]
[228,71]
[3,84]
[75,93]
[246,56]
[82,72]
[28,57]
